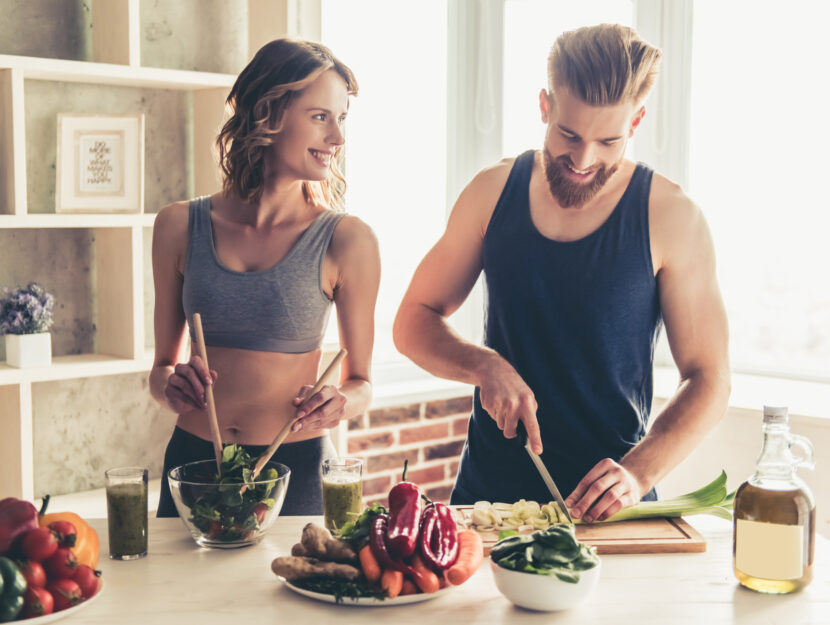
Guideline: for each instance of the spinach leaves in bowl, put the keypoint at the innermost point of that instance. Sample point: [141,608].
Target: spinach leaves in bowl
[552,551]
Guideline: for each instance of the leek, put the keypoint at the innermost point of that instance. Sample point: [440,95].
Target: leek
[527,516]
[711,499]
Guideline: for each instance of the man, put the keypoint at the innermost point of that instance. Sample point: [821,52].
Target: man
[585,255]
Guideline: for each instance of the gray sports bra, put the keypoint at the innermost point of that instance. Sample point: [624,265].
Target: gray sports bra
[279,309]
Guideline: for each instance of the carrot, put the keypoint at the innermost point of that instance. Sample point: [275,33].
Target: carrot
[369,564]
[470,557]
[424,578]
[409,587]
[392,582]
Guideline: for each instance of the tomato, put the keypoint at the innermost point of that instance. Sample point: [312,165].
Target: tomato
[33,573]
[37,602]
[88,579]
[61,564]
[39,544]
[65,592]
[66,532]
[216,529]
[259,511]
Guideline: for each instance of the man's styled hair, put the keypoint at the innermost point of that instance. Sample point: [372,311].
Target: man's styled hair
[604,64]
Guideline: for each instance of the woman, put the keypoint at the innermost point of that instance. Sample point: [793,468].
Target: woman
[262,261]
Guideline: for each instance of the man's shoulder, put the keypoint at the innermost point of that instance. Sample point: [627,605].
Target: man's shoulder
[668,203]
[484,190]
[493,178]
[676,223]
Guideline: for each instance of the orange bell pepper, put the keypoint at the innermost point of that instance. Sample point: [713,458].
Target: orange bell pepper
[86,547]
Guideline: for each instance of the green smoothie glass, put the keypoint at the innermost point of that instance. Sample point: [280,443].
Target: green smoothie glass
[342,491]
[127,512]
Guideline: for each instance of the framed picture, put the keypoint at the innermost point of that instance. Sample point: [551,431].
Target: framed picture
[100,164]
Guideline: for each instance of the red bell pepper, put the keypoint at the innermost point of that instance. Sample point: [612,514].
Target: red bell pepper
[377,543]
[439,537]
[16,517]
[405,509]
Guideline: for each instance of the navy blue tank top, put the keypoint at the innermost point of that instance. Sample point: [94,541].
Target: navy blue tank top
[578,321]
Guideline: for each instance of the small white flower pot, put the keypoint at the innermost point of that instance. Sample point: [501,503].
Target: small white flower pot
[29,350]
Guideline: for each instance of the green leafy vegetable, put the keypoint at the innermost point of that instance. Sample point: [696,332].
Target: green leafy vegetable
[356,532]
[223,513]
[710,499]
[552,551]
[340,588]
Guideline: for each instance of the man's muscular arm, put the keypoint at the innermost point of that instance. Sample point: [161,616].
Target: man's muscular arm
[697,330]
[440,285]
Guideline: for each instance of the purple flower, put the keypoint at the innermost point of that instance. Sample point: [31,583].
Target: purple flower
[26,311]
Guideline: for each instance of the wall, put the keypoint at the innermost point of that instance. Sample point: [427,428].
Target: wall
[83,426]
[430,435]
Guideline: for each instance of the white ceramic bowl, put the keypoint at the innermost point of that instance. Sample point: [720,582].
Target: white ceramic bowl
[544,592]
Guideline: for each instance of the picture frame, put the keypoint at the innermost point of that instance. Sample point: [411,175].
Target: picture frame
[100,164]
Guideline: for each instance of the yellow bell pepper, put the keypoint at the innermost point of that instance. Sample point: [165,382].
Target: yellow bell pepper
[86,547]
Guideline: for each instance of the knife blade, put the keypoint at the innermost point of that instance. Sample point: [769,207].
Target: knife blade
[543,472]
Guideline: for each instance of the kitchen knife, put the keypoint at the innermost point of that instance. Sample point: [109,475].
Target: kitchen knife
[543,471]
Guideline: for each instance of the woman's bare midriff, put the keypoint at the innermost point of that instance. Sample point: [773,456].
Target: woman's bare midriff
[253,393]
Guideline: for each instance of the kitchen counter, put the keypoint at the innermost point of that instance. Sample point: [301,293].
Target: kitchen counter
[180,583]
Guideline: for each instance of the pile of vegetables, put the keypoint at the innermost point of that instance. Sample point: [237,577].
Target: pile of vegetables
[412,547]
[226,514]
[47,561]
[552,551]
[530,515]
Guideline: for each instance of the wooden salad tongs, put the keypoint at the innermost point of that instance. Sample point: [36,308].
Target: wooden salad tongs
[283,433]
[214,421]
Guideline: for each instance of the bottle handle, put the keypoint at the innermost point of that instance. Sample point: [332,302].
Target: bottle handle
[804,443]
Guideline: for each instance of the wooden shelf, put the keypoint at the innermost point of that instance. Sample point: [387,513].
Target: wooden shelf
[52,220]
[76,366]
[36,68]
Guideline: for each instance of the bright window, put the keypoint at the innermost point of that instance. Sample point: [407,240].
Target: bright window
[758,169]
[396,136]
[530,28]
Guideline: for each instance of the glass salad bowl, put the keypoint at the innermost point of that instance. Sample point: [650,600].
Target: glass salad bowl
[219,513]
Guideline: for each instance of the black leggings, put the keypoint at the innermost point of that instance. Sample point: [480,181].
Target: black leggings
[305,491]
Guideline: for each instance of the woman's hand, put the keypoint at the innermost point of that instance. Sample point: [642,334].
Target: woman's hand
[323,410]
[185,388]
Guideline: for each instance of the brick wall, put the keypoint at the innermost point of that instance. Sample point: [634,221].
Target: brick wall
[429,434]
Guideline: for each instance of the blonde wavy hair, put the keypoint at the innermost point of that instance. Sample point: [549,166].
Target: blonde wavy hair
[279,71]
[603,64]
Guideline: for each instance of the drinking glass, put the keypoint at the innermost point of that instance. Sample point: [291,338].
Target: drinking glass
[127,512]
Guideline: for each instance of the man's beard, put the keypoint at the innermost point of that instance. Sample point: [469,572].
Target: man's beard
[567,192]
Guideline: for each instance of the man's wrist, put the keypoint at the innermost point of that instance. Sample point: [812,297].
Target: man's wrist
[484,363]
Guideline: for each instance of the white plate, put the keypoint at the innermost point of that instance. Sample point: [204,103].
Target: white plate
[48,618]
[370,601]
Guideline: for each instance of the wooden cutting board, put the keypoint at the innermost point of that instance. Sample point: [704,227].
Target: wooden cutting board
[641,536]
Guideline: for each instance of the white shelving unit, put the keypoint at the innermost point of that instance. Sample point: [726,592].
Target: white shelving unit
[119,239]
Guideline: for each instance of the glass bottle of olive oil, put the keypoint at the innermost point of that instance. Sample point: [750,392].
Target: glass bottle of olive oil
[775,514]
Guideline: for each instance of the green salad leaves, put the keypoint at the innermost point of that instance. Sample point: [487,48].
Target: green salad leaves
[223,513]
[552,551]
